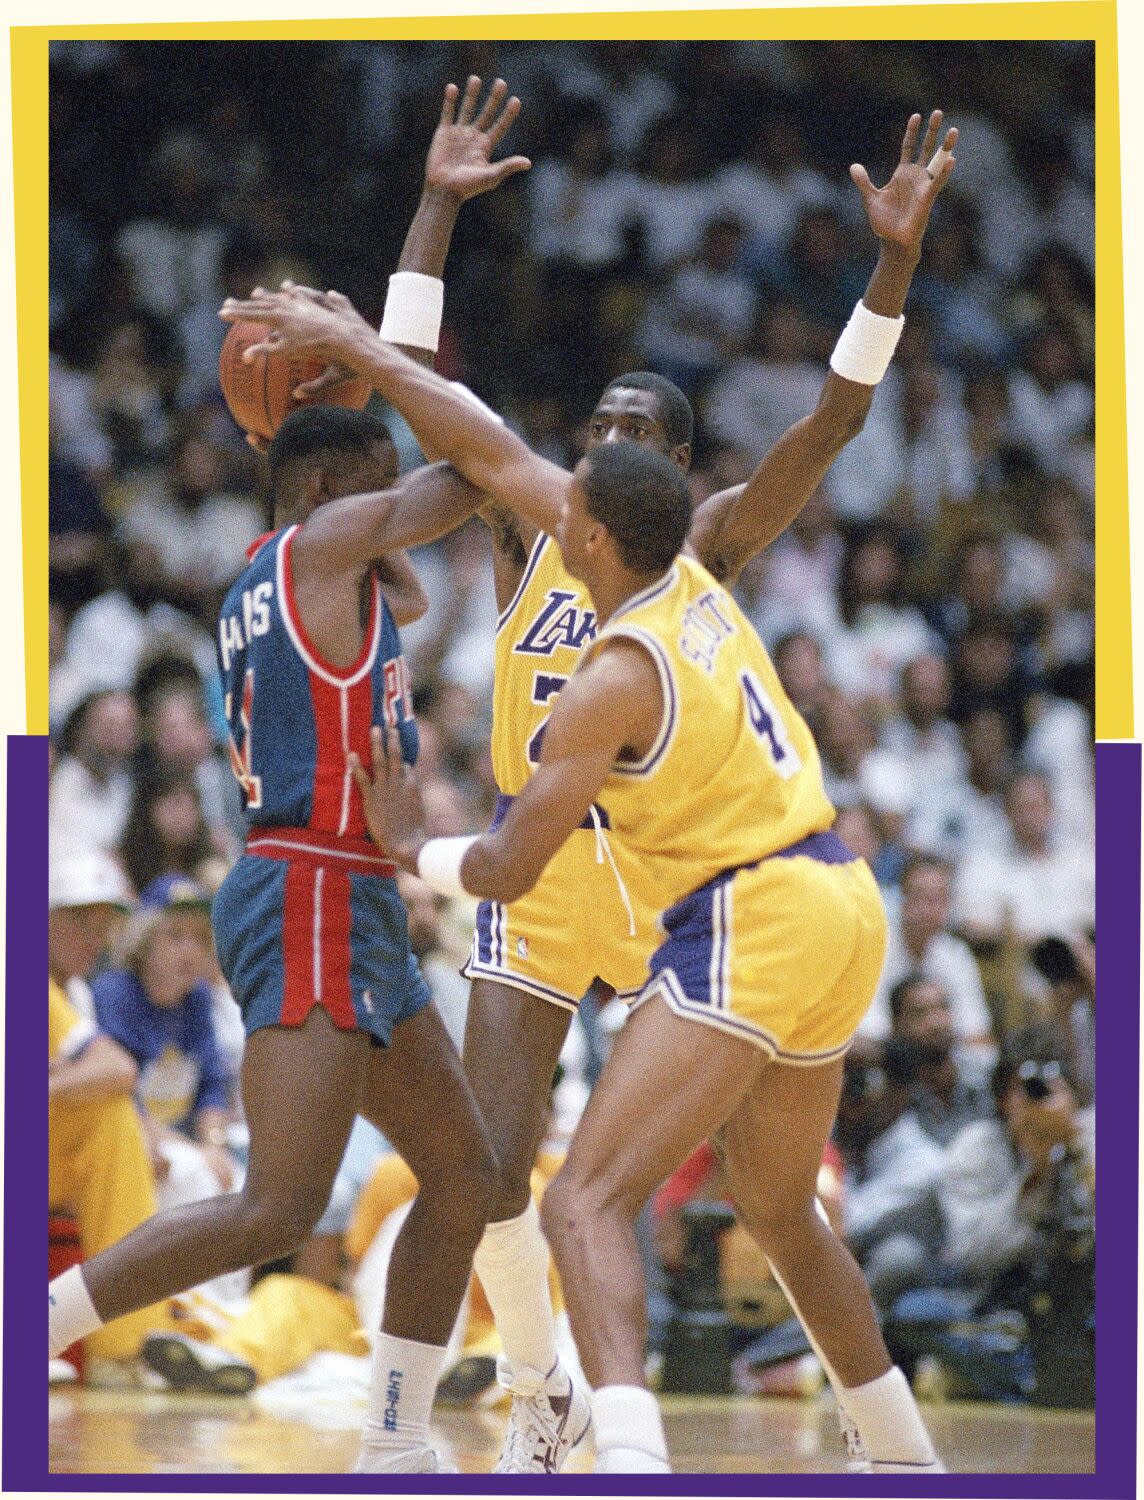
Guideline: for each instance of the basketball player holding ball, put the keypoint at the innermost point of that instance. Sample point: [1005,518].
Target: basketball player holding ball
[310,929]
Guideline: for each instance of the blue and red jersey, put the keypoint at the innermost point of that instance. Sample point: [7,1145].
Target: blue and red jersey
[293,717]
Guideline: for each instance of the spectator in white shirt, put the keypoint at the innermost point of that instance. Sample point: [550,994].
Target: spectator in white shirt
[675,197]
[921,738]
[799,574]
[968,815]
[919,941]
[90,790]
[774,184]
[1037,887]
[582,207]
[772,385]
[1050,408]
[877,633]
[704,313]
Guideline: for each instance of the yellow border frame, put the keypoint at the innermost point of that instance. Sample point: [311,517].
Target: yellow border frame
[1093,20]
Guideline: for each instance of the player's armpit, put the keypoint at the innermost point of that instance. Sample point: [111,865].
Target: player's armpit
[401,587]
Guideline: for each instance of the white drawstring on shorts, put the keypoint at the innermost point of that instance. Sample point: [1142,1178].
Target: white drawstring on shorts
[604,850]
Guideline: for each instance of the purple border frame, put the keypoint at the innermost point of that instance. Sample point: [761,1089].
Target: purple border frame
[25,1417]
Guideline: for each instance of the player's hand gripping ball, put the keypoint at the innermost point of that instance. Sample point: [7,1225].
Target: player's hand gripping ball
[261,394]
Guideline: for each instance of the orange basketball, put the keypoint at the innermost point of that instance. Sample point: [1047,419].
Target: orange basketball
[260,394]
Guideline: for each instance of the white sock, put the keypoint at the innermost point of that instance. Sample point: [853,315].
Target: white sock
[628,1431]
[888,1420]
[403,1382]
[512,1263]
[71,1312]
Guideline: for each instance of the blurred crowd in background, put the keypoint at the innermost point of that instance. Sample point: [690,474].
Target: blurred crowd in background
[930,612]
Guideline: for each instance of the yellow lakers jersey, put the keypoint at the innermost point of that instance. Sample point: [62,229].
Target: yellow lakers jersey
[733,774]
[540,637]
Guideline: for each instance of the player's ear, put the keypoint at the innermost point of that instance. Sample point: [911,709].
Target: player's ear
[681,455]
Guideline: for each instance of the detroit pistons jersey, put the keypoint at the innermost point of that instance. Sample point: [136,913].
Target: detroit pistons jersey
[293,717]
[733,774]
[540,637]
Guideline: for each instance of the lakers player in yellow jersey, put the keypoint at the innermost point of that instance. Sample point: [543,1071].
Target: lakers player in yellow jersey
[772,937]
[547,619]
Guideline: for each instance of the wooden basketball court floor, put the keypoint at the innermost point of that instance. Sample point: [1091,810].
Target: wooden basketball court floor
[141,1432]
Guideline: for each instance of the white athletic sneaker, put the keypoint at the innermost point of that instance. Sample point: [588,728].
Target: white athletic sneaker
[937,1467]
[423,1460]
[857,1459]
[60,1372]
[549,1417]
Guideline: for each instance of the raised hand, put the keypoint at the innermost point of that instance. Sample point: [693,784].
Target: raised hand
[391,797]
[899,212]
[459,162]
[301,319]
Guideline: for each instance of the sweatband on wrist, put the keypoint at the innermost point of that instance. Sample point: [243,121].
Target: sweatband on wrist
[866,346]
[414,304]
[439,864]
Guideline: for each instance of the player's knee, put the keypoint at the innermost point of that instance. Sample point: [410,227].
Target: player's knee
[277,1224]
[466,1185]
[572,1205]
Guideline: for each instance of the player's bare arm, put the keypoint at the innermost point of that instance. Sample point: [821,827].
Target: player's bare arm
[493,459]
[404,592]
[458,166]
[734,525]
[610,710]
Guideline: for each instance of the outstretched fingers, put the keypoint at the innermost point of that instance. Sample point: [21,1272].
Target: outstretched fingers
[449,104]
[492,104]
[861,180]
[910,139]
[500,126]
[930,141]
[469,101]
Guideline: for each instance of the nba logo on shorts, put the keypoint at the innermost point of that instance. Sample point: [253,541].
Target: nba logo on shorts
[521,948]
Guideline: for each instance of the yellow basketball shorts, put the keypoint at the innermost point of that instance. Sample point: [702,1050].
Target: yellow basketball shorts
[571,929]
[785,953]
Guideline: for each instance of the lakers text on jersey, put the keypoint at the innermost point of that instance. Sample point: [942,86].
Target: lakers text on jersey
[572,927]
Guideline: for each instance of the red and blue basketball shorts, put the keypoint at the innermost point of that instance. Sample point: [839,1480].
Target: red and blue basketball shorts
[303,921]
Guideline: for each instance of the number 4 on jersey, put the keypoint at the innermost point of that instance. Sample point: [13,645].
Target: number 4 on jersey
[768,724]
[242,761]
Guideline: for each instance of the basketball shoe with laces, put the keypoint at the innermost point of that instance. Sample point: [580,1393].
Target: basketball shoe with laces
[549,1417]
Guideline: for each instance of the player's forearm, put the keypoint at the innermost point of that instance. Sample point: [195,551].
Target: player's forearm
[480,447]
[485,866]
[430,502]
[426,247]
[425,251]
[889,283]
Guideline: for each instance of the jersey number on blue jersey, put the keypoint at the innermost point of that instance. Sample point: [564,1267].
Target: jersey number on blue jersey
[242,761]
[767,723]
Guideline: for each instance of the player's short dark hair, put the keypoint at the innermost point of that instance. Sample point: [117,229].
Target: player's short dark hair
[643,500]
[318,431]
[674,408]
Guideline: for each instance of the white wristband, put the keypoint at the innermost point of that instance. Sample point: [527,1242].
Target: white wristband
[439,864]
[866,346]
[413,307]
